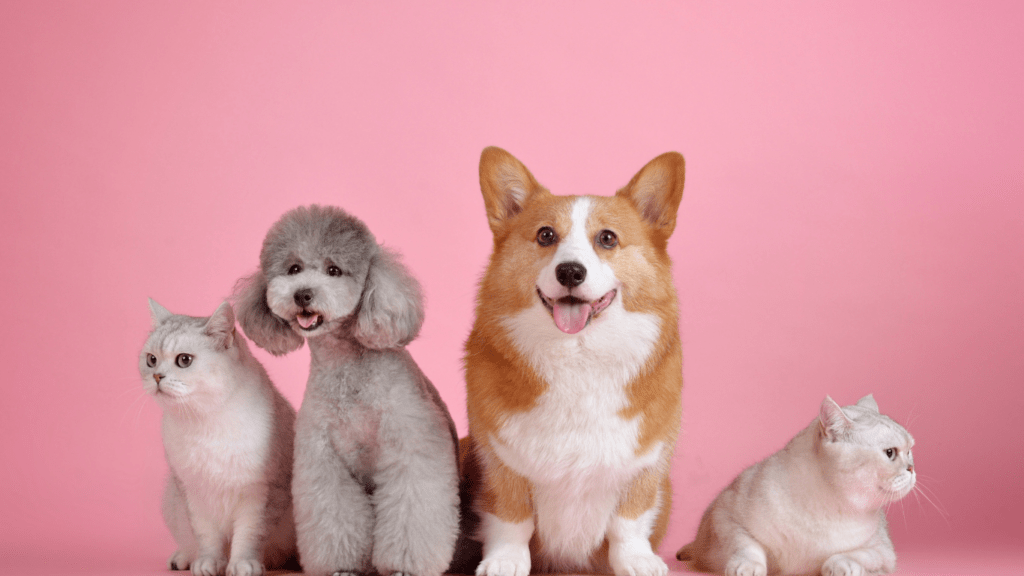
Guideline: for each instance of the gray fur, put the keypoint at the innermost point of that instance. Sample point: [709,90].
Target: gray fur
[375,485]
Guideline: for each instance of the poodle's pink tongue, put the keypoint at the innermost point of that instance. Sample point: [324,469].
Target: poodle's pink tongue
[307,321]
[571,318]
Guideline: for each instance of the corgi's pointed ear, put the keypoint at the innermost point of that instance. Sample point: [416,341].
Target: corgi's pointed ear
[259,323]
[221,325]
[833,422]
[158,313]
[506,185]
[657,189]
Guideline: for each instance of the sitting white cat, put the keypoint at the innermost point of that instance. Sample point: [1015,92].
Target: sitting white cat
[228,436]
[817,505]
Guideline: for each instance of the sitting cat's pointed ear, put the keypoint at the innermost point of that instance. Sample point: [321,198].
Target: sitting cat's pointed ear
[833,421]
[158,312]
[868,402]
[221,326]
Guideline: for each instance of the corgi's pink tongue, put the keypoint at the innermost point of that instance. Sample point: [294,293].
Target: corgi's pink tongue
[571,318]
[307,321]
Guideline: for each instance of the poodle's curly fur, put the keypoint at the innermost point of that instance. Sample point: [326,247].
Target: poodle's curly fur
[376,481]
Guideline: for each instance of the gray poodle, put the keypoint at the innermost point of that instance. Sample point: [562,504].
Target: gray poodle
[376,481]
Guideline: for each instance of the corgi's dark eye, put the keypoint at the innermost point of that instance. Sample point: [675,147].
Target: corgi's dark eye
[150,360]
[333,271]
[546,236]
[183,360]
[891,453]
[607,239]
[294,269]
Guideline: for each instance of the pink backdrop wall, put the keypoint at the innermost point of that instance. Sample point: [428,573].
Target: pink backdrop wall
[853,220]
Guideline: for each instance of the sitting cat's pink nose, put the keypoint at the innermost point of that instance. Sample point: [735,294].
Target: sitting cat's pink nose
[158,377]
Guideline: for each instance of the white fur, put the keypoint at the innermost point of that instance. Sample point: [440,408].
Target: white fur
[574,446]
[629,545]
[506,546]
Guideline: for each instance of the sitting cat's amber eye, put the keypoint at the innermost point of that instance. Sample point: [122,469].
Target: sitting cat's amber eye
[183,360]
[890,453]
[150,360]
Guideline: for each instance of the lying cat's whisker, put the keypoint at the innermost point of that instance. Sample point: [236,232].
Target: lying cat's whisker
[938,508]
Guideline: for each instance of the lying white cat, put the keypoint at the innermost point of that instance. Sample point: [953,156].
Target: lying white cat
[817,505]
[228,436]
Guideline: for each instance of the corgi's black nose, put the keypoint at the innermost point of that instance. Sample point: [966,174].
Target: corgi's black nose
[570,274]
[304,297]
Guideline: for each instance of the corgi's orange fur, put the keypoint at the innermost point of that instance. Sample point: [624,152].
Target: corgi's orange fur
[574,374]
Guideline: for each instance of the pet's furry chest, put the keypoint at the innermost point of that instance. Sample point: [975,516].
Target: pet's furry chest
[220,456]
[800,544]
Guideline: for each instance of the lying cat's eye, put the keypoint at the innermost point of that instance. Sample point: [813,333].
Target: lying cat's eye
[891,453]
[607,239]
[546,236]
[150,360]
[333,271]
[294,269]
[183,360]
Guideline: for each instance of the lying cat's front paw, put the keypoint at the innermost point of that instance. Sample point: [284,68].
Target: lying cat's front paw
[208,566]
[180,560]
[639,564]
[245,567]
[745,567]
[840,565]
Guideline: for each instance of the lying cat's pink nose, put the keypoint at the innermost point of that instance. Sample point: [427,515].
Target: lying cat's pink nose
[910,468]
[158,377]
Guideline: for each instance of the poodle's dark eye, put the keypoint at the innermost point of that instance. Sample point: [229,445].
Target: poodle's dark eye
[183,360]
[150,360]
[333,271]
[607,239]
[891,453]
[294,269]
[546,236]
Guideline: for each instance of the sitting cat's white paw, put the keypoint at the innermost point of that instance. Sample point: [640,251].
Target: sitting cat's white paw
[840,565]
[512,561]
[208,566]
[180,560]
[639,564]
[745,567]
[245,567]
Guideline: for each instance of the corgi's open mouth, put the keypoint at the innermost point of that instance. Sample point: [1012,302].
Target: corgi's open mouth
[572,314]
[309,320]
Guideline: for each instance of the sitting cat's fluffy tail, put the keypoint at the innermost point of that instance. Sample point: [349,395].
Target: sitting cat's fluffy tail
[685,553]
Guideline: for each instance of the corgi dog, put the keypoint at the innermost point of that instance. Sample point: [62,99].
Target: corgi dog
[574,375]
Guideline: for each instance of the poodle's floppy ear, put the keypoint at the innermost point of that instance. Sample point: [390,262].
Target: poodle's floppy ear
[391,312]
[258,322]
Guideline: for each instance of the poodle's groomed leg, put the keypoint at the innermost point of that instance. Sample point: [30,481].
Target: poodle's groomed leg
[416,499]
[333,516]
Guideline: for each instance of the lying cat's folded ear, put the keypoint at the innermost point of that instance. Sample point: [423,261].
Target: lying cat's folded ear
[835,424]
[868,402]
[158,312]
[221,326]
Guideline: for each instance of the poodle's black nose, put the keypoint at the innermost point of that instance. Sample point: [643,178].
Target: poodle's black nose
[570,274]
[304,297]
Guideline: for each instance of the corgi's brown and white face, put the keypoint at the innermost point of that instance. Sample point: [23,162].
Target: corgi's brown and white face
[579,258]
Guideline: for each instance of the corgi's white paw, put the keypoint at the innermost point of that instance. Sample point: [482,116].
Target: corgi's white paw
[208,566]
[508,562]
[745,567]
[639,564]
[840,565]
[245,567]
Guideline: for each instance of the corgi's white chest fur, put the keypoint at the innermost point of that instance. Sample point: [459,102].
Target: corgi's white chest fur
[574,446]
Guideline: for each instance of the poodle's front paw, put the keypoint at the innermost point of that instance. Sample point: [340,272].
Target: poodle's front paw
[511,561]
[180,560]
[741,566]
[840,565]
[208,566]
[245,567]
[639,564]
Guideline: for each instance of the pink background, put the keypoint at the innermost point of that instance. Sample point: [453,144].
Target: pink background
[853,220]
